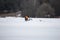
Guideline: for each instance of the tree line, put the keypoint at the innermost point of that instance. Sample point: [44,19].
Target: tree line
[32,8]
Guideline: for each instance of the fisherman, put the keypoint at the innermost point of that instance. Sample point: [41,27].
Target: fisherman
[26,18]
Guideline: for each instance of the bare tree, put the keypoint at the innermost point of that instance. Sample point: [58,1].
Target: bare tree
[45,9]
[29,7]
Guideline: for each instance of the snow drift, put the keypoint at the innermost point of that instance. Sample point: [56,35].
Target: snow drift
[12,28]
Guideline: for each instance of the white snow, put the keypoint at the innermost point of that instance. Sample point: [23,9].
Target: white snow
[16,28]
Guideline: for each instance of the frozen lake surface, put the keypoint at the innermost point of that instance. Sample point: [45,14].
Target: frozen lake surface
[12,28]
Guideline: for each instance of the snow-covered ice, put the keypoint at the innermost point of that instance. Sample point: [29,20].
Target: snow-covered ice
[16,28]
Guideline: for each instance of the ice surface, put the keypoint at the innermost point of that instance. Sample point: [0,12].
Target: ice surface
[16,28]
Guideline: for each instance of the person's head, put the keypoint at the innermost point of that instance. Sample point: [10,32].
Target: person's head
[26,17]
